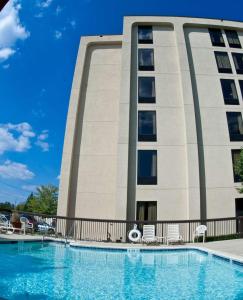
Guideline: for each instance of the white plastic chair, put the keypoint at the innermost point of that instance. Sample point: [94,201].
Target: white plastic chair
[5,225]
[173,233]
[26,225]
[149,234]
[200,231]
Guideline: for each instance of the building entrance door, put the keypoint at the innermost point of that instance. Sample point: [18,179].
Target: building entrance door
[146,211]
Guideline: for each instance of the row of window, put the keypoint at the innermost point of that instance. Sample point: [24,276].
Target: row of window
[145,36]
[223,62]
[218,40]
[234,119]
[147,159]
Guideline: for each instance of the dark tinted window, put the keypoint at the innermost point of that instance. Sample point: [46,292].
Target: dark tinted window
[146,59]
[233,39]
[216,37]
[145,35]
[235,126]
[146,126]
[146,89]
[238,61]
[146,211]
[241,87]
[223,62]
[147,167]
[229,91]
[235,157]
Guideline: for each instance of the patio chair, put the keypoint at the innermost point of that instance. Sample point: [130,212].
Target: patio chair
[26,225]
[5,225]
[173,233]
[200,231]
[149,234]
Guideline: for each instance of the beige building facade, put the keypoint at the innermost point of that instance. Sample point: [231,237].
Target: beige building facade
[155,121]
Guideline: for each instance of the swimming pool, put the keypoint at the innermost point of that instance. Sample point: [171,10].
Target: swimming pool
[52,271]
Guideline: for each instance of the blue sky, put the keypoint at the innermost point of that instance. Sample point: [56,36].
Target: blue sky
[38,45]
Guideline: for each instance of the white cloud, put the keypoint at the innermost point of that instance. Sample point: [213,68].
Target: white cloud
[11,29]
[58,10]
[44,4]
[5,53]
[15,137]
[73,24]
[58,177]
[6,66]
[29,187]
[41,141]
[14,170]
[58,34]
[39,15]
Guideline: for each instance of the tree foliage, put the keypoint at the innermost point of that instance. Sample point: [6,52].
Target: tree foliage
[44,201]
[238,168]
[6,206]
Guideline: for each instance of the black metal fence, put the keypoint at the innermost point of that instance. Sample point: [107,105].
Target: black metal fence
[117,230]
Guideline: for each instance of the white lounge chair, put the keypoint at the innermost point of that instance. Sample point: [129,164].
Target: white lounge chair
[173,233]
[200,231]
[5,225]
[26,225]
[149,234]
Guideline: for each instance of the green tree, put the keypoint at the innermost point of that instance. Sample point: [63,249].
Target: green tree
[6,206]
[43,201]
[46,197]
[238,168]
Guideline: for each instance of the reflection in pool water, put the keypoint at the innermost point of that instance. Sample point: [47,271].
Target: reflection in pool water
[53,271]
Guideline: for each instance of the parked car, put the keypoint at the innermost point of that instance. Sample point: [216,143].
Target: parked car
[45,227]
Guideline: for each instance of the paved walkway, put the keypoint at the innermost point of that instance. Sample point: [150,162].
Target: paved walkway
[20,237]
[232,247]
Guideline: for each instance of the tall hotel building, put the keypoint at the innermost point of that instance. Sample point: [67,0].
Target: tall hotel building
[155,122]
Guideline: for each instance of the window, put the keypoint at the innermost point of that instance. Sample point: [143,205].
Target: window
[145,35]
[216,37]
[235,126]
[146,211]
[146,126]
[146,89]
[233,39]
[229,91]
[223,62]
[235,156]
[147,167]
[238,60]
[241,87]
[146,59]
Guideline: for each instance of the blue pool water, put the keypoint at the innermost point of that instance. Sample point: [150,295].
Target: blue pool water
[51,271]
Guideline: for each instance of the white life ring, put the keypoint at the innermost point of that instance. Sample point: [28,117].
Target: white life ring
[134,235]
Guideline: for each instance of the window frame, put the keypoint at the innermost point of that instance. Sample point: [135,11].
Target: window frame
[241,87]
[146,67]
[234,137]
[147,137]
[147,180]
[212,32]
[145,41]
[223,70]
[151,99]
[234,56]
[236,177]
[229,101]
[229,32]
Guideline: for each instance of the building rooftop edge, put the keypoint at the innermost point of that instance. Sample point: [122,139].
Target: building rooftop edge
[183,17]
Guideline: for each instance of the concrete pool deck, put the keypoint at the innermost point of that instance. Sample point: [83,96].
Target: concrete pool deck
[227,248]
